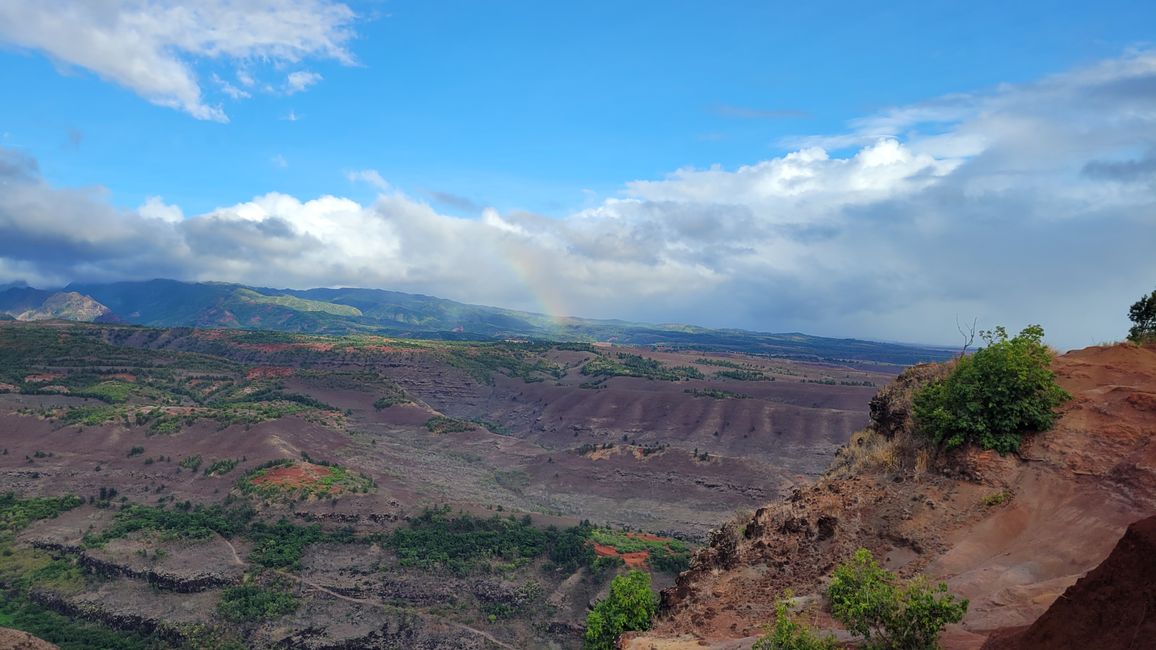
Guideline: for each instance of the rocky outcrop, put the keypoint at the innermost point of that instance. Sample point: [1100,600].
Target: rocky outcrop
[1009,533]
[68,306]
[114,620]
[162,580]
[1113,607]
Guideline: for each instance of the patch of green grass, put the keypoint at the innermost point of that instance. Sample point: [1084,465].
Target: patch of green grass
[394,396]
[492,427]
[221,467]
[297,304]
[182,522]
[91,416]
[669,555]
[443,424]
[635,365]
[16,513]
[521,360]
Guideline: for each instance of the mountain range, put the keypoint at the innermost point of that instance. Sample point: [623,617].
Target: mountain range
[347,311]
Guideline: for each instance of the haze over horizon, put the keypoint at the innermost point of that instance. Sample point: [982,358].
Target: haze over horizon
[746,167]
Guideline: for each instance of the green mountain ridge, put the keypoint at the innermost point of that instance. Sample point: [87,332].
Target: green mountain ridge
[343,311]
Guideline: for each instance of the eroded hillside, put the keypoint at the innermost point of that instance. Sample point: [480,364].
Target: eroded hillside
[264,488]
[1008,533]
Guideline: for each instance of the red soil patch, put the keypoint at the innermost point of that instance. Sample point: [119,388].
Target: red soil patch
[269,371]
[636,560]
[41,378]
[124,376]
[7,388]
[295,476]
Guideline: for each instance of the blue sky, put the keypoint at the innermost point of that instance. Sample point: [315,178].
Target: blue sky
[529,130]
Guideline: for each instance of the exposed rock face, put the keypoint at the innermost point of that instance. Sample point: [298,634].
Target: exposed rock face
[890,409]
[1061,504]
[1113,607]
[67,306]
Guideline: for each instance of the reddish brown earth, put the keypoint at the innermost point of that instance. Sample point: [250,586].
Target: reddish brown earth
[297,475]
[16,640]
[1113,607]
[678,464]
[635,560]
[1073,491]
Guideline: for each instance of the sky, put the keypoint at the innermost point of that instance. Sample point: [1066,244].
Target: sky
[837,168]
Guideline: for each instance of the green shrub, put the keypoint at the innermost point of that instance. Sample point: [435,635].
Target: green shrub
[630,606]
[997,499]
[993,397]
[443,424]
[788,634]
[1143,316]
[250,603]
[868,601]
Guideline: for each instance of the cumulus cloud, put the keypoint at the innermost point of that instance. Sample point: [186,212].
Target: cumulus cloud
[152,47]
[1029,203]
[298,81]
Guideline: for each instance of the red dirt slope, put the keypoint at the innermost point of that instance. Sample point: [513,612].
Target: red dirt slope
[1011,533]
[1111,608]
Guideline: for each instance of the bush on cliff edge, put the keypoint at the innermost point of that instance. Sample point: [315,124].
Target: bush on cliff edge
[995,396]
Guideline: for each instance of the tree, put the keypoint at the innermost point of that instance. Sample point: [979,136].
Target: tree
[868,601]
[630,606]
[787,634]
[1143,315]
[994,396]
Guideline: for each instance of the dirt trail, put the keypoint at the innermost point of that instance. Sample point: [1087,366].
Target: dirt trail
[363,601]
[232,549]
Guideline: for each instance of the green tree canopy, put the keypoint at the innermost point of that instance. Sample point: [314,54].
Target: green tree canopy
[1143,316]
[994,396]
[868,600]
[630,606]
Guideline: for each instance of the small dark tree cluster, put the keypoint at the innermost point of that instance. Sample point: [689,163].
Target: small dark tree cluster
[1143,317]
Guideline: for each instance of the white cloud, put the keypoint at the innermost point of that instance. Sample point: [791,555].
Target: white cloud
[1029,203]
[298,81]
[155,208]
[230,89]
[151,47]
[370,177]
